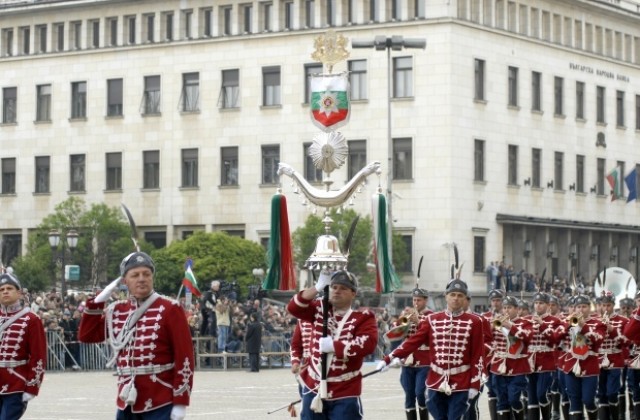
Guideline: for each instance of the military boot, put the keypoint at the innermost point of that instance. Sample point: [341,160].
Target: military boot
[555,408]
[493,407]
[545,411]
[614,411]
[424,413]
[533,412]
[565,411]
[411,414]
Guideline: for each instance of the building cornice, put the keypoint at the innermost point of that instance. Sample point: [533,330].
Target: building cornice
[509,219]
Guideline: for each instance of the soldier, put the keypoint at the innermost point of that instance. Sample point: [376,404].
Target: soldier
[554,310]
[509,363]
[352,335]
[613,353]
[300,349]
[23,350]
[495,301]
[632,332]
[581,365]
[473,413]
[152,348]
[542,358]
[455,338]
[627,306]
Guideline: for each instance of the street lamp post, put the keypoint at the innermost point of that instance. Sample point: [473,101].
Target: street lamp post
[58,251]
[395,43]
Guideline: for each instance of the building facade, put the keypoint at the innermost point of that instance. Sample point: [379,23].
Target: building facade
[503,130]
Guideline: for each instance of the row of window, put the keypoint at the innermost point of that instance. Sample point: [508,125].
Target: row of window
[197,23]
[527,20]
[557,182]
[228,97]
[189,163]
[513,99]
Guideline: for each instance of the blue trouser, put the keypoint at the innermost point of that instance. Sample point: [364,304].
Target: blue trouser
[447,407]
[509,389]
[538,388]
[11,406]
[609,386]
[342,409]
[162,413]
[633,382]
[562,386]
[581,392]
[413,381]
[223,335]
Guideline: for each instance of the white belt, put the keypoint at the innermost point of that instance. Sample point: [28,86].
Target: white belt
[341,378]
[539,349]
[12,363]
[452,371]
[609,351]
[144,370]
[505,355]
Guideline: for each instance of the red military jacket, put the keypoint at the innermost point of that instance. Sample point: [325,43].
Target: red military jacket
[457,347]
[23,351]
[159,356]
[542,345]
[613,350]
[301,343]
[357,339]
[510,348]
[582,357]
[422,356]
[632,332]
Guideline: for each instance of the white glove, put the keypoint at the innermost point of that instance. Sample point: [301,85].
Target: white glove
[178,412]
[26,397]
[323,281]
[326,345]
[382,366]
[472,393]
[106,293]
[395,362]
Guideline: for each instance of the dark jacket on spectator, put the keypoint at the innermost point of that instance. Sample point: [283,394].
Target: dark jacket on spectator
[253,337]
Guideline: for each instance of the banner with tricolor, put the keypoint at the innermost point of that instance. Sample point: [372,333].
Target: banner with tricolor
[386,278]
[189,281]
[613,178]
[281,269]
[329,101]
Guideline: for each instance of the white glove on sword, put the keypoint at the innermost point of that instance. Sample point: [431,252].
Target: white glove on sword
[106,292]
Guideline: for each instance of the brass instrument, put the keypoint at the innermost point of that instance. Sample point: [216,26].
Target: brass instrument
[497,322]
[403,324]
[574,320]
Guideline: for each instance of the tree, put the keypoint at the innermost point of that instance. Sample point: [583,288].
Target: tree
[215,256]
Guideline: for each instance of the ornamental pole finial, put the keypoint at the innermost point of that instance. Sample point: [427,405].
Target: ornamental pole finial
[330,49]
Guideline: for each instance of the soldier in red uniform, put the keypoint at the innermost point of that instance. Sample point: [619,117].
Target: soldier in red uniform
[23,350]
[352,335]
[613,352]
[415,367]
[495,300]
[542,358]
[510,363]
[151,342]
[456,340]
[300,348]
[581,363]
[632,332]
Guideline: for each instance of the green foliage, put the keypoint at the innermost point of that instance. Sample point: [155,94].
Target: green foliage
[215,256]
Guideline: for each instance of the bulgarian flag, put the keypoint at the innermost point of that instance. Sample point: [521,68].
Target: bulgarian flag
[281,273]
[329,100]
[189,281]
[386,278]
[613,178]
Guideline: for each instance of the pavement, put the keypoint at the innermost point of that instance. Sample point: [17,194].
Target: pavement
[232,394]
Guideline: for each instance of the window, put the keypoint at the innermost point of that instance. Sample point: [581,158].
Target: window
[266,16]
[288,15]
[558,95]
[396,10]
[7,42]
[620,108]
[77,173]
[76,35]
[230,90]
[402,159]
[513,86]
[151,99]
[580,100]
[600,103]
[479,79]
[536,91]
[112,28]
[229,165]
[309,71]
[130,29]
[187,16]
[151,169]
[26,40]
[208,23]
[95,33]
[226,20]
[600,176]
[189,168]
[58,36]
[358,79]
[114,171]
[309,13]
[407,267]
[168,26]
[42,38]
[271,86]
[114,97]
[513,165]
[8,175]
[558,170]
[190,92]
[11,247]
[357,156]
[78,100]
[150,21]
[270,162]
[478,254]
[158,239]
[402,77]
[580,173]
[536,167]
[478,160]
[43,103]
[373,10]
[43,168]
[9,105]
[311,173]
[619,185]
[247,11]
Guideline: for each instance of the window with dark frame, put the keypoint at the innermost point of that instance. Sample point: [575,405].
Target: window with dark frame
[26,40]
[131,29]
[479,79]
[270,162]
[580,173]
[95,34]
[77,173]
[151,169]
[113,31]
[271,86]
[114,98]
[229,165]
[288,15]
[580,100]
[402,159]
[9,105]
[536,167]
[43,170]
[208,23]
[226,21]
[309,13]
[43,103]
[512,174]
[513,86]
[168,27]
[558,171]
[114,171]
[600,176]
[358,79]
[536,91]
[247,12]
[357,156]
[59,31]
[151,27]
[407,267]
[151,99]
[600,104]
[187,16]
[77,35]
[189,168]
[620,108]
[190,92]
[42,38]
[478,159]
[230,90]
[479,254]
[158,239]
[558,94]
[78,100]
[8,175]
[402,77]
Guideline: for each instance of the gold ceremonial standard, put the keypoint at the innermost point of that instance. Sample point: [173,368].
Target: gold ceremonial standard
[330,49]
